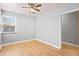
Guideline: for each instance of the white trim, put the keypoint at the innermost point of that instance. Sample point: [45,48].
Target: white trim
[60,38]
[73,10]
[17,42]
[31,40]
[49,44]
[70,44]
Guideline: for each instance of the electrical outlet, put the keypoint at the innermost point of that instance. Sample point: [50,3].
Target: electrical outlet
[71,41]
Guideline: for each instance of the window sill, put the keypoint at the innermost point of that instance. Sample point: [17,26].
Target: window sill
[8,32]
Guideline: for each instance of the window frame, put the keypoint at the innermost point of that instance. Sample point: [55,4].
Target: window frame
[3,23]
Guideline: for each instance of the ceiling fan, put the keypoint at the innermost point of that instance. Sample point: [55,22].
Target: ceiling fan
[34,7]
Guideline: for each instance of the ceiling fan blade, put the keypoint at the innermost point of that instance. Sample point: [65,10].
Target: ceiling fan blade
[31,4]
[39,5]
[25,7]
[36,9]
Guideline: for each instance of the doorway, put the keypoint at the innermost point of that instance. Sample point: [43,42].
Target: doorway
[70,28]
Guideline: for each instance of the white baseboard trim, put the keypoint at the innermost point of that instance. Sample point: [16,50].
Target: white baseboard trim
[49,44]
[17,42]
[28,41]
[70,44]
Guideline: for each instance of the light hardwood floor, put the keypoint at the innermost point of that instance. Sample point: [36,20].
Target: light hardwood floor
[36,48]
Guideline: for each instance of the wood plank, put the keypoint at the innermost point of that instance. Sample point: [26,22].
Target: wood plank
[36,48]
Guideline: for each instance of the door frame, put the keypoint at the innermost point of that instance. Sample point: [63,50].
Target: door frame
[60,23]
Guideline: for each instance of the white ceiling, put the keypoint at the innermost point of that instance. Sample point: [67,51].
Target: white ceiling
[46,7]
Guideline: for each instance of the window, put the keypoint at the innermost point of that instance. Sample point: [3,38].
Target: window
[9,24]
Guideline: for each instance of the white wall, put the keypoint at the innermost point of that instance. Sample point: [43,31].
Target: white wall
[48,29]
[48,24]
[25,28]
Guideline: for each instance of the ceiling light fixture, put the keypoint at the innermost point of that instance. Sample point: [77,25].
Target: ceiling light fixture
[33,11]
